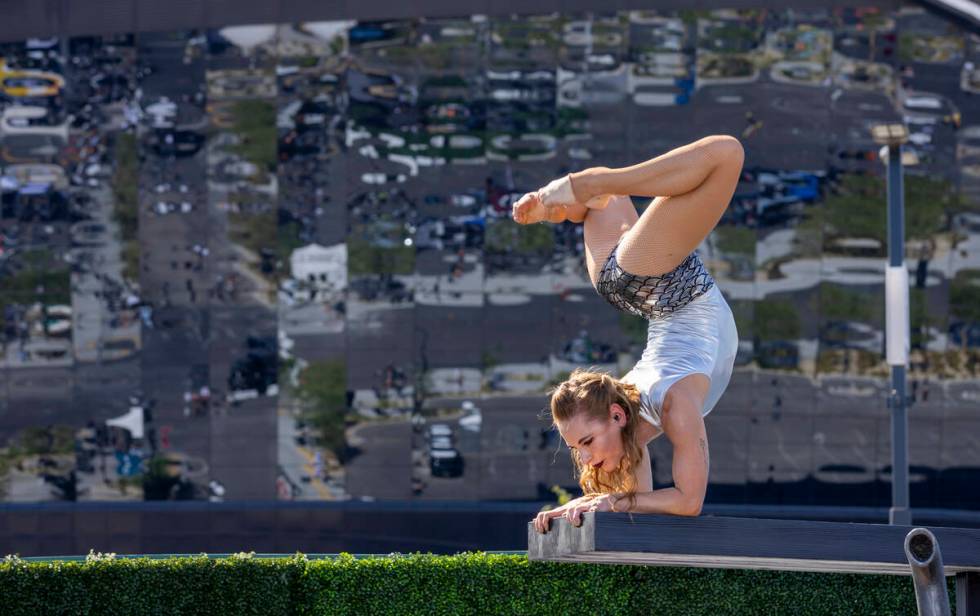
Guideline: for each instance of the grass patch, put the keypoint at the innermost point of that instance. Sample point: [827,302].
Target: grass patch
[44,280]
[736,240]
[255,123]
[131,259]
[363,258]
[776,319]
[125,185]
[322,391]
[964,295]
[254,231]
[841,304]
[858,207]
[503,236]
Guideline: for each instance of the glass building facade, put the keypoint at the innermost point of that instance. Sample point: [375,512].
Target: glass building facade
[276,262]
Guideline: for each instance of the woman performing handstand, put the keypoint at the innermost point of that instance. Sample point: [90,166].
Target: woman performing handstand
[647,265]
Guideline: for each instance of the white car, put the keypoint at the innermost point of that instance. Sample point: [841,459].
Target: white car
[381,178]
[442,443]
[293,293]
[63,311]
[29,120]
[462,200]
[924,103]
[920,138]
[472,419]
[58,327]
[471,423]
[440,429]
[444,453]
[604,59]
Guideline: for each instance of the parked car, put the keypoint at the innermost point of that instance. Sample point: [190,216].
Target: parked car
[445,463]
[472,419]
[440,443]
[440,429]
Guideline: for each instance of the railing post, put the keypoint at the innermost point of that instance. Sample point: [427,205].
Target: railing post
[968,594]
[897,336]
[922,552]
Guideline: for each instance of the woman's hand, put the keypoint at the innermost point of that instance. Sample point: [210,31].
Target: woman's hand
[602,502]
[542,521]
[573,510]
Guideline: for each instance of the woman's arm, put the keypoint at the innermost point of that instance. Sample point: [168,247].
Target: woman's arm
[684,426]
[664,500]
[676,172]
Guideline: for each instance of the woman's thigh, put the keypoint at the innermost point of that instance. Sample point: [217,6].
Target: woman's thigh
[671,228]
[603,228]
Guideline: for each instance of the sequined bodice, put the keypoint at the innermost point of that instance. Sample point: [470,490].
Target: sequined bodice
[653,297]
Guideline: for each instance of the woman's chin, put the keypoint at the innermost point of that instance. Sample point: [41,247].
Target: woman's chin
[607,466]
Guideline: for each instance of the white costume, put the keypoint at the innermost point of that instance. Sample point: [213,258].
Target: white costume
[692,330]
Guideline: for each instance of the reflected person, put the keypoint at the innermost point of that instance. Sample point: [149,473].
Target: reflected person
[646,265]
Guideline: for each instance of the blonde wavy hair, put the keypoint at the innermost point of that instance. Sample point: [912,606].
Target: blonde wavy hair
[592,393]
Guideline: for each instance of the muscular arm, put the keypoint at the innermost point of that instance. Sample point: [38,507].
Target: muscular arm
[684,426]
[644,473]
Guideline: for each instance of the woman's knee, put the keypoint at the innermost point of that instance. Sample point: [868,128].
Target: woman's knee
[725,148]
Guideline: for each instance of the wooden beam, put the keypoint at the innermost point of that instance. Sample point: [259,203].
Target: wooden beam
[745,543]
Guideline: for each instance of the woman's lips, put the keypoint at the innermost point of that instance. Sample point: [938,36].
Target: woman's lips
[597,464]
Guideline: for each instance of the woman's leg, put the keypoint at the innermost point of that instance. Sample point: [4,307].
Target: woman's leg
[693,185]
[603,228]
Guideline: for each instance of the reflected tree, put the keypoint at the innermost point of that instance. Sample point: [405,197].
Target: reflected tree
[776,319]
[505,236]
[322,391]
[857,207]
[843,304]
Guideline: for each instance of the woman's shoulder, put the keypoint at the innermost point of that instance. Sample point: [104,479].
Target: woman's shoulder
[643,375]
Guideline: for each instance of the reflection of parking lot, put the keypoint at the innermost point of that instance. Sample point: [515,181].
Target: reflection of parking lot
[391,163]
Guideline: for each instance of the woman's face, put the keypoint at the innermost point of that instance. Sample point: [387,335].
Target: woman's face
[598,442]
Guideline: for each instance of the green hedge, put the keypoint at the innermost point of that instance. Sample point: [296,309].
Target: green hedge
[471,583]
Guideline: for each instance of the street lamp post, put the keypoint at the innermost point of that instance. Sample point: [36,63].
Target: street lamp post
[892,136]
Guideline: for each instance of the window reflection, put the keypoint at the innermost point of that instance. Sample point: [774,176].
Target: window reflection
[215,239]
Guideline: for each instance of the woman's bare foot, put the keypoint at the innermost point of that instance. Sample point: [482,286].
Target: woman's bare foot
[529,209]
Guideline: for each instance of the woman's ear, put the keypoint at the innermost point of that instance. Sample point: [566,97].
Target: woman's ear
[617,414]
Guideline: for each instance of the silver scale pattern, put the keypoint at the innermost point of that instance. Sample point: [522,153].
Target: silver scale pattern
[654,297]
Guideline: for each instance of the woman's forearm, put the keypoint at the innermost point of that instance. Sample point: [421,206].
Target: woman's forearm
[679,171]
[665,500]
